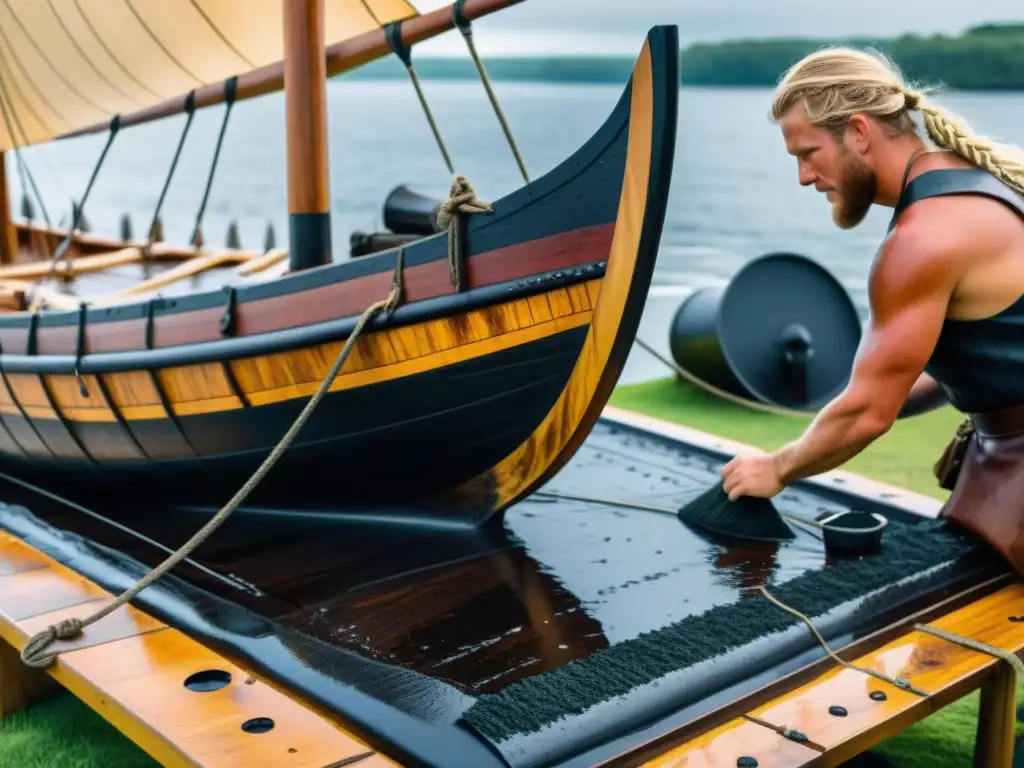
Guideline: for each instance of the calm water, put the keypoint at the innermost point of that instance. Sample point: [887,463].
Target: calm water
[734,195]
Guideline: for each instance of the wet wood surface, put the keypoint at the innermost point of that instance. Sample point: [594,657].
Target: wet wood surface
[725,747]
[944,670]
[132,669]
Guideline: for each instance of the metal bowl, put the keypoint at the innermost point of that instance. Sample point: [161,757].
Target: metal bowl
[853,532]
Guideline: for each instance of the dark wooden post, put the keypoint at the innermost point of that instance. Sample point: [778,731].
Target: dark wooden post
[8,236]
[305,103]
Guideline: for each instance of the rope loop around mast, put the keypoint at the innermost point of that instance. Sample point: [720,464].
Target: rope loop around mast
[35,654]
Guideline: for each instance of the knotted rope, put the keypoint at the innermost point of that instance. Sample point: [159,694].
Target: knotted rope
[461,199]
[34,654]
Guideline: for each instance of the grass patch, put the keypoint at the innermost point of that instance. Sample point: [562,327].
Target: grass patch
[904,457]
[63,731]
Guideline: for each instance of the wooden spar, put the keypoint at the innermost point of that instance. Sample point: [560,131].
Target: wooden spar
[305,106]
[340,57]
[8,236]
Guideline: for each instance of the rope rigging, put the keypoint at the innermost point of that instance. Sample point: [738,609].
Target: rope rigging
[34,653]
[462,192]
[466,28]
[79,212]
[7,113]
[230,91]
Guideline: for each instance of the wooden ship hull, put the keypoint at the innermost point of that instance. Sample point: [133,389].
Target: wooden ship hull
[574,621]
[458,402]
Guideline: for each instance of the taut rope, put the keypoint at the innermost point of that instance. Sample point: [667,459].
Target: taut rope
[713,390]
[466,28]
[34,654]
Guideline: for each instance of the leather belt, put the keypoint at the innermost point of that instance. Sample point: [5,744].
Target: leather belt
[1008,421]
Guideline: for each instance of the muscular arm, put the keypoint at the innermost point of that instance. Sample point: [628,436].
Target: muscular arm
[909,290]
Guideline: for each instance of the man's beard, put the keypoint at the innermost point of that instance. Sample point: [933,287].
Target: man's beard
[855,194]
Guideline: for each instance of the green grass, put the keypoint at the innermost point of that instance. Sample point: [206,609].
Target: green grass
[903,457]
[64,732]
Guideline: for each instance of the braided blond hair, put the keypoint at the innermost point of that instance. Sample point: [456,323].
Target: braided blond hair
[837,82]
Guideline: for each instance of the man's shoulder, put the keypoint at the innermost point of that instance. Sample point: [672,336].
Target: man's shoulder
[954,223]
[954,228]
[930,247]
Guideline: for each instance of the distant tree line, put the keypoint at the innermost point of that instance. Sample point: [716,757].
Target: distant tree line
[987,57]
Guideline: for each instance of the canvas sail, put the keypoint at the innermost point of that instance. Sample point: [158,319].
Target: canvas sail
[68,64]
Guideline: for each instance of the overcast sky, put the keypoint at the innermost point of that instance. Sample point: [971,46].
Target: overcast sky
[618,26]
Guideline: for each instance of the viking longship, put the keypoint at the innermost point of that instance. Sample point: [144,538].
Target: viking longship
[453,362]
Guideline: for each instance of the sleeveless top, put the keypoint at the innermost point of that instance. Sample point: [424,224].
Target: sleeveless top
[979,364]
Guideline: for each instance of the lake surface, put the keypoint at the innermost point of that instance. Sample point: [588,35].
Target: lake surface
[734,197]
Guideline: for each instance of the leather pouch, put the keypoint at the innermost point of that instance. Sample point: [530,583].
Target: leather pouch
[947,468]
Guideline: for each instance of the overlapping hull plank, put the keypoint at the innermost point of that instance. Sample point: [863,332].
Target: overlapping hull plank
[185,396]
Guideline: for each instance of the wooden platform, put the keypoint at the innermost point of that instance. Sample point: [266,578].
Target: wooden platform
[136,671]
[826,736]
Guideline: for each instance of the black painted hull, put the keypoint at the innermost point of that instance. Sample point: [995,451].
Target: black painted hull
[381,443]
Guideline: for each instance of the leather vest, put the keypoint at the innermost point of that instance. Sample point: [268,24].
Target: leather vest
[978,363]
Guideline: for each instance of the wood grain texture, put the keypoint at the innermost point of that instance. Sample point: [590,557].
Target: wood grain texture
[945,671]
[21,686]
[8,234]
[722,747]
[345,298]
[536,456]
[305,106]
[415,348]
[376,357]
[131,668]
[997,719]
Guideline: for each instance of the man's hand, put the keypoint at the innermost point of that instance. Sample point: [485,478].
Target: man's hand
[751,476]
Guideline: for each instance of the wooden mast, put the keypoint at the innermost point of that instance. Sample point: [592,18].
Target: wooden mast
[8,236]
[305,105]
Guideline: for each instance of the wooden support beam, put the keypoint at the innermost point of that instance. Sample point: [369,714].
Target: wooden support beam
[8,236]
[21,686]
[997,718]
[305,104]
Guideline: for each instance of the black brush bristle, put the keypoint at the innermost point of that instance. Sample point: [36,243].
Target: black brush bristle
[749,517]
